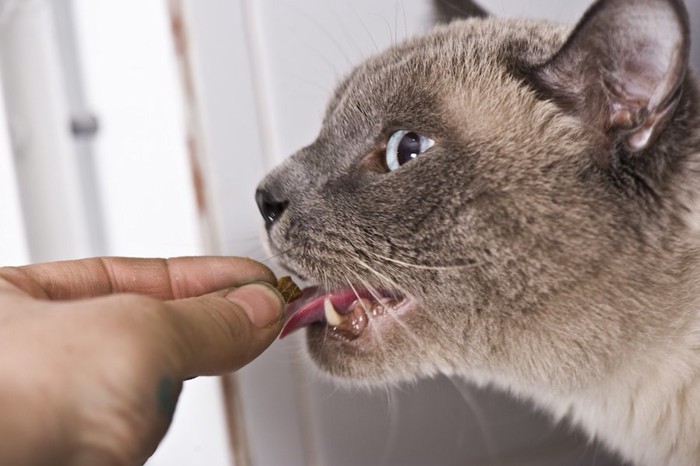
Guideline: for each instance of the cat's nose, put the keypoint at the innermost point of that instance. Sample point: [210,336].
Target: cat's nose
[270,208]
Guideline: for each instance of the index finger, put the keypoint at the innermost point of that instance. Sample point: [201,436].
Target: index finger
[174,278]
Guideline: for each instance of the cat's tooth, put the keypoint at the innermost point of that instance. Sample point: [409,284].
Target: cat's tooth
[332,316]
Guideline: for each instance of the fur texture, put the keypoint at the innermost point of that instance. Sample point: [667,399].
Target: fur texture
[548,240]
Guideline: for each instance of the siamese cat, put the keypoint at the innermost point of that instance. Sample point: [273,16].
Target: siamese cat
[516,203]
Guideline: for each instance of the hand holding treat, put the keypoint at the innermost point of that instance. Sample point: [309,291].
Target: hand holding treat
[94,352]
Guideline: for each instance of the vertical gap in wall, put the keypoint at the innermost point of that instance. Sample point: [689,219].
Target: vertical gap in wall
[235,421]
[13,241]
[195,141]
[205,200]
[261,88]
[47,175]
[83,124]
[253,34]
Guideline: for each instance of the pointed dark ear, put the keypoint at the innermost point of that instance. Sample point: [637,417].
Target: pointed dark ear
[445,11]
[622,68]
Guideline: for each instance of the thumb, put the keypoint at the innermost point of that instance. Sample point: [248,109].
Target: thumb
[223,331]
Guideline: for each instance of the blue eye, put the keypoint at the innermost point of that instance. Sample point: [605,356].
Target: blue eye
[404,146]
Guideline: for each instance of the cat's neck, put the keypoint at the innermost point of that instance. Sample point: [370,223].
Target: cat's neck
[651,400]
[649,395]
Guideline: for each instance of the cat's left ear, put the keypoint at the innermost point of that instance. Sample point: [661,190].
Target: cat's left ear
[622,68]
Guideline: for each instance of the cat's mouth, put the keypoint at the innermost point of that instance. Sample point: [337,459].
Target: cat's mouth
[345,312]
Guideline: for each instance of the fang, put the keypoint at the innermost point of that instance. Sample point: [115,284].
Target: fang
[332,316]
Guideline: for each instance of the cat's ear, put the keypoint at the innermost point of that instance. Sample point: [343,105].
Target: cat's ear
[622,68]
[445,11]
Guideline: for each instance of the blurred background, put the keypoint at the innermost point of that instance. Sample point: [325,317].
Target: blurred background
[141,127]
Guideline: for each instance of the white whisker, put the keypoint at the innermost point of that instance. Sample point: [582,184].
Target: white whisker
[377,297]
[388,27]
[364,26]
[341,25]
[314,22]
[394,426]
[420,266]
[481,420]
[405,21]
[352,287]
[391,283]
[279,254]
[409,333]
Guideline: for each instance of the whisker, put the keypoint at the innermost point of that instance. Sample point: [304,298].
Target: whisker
[481,420]
[279,254]
[375,332]
[434,319]
[392,284]
[388,27]
[370,288]
[359,299]
[312,83]
[420,266]
[406,329]
[311,19]
[396,21]
[364,26]
[405,21]
[341,24]
[393,429]
[409,333]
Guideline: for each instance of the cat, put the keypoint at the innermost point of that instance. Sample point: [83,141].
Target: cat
[513,202]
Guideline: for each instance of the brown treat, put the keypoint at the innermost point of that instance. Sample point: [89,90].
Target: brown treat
[288,289]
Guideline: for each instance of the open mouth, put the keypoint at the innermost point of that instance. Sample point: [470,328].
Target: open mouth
[346,312]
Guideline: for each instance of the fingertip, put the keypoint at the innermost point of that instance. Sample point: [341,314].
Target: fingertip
[262,303]
[266,273]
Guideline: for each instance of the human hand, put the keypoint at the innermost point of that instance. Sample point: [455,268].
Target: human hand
[93,352]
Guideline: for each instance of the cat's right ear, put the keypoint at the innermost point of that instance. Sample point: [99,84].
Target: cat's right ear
[622,69]
[446,11]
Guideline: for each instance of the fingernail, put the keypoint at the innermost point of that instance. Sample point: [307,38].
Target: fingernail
[261,302]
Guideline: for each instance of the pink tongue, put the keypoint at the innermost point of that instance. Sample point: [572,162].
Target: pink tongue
[308,308]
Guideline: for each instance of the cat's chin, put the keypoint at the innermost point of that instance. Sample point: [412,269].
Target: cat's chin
[370,357]
[369,362]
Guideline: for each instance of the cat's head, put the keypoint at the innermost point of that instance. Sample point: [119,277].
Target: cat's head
[506,198]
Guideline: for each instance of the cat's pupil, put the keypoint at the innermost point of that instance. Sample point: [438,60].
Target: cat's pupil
[404,146]
[409,148]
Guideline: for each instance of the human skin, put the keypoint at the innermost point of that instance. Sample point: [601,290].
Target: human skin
[93,353]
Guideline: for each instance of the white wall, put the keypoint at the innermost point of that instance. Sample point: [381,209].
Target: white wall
[140,153]
[13,249]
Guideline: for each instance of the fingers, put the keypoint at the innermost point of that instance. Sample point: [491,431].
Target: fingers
[159,278]
[222,332]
